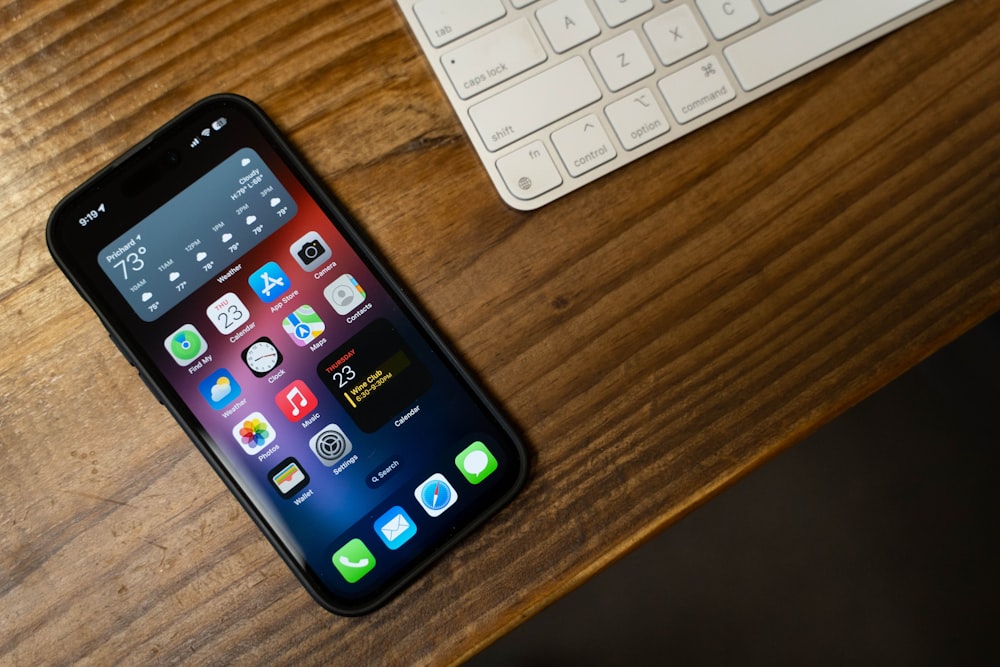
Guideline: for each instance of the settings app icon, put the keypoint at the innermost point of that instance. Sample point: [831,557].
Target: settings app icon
[330,445]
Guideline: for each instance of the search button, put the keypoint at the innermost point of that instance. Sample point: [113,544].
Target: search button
[381,473]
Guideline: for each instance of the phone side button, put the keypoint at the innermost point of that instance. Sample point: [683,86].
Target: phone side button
[149,385]
[121,349]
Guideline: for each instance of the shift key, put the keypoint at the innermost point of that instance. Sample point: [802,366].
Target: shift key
[530,105]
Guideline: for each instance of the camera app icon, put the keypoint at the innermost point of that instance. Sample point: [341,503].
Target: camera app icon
[310,251]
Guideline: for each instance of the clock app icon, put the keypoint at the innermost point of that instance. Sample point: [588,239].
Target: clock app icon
[262,356]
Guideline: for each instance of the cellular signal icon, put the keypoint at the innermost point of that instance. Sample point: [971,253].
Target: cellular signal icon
[195,142]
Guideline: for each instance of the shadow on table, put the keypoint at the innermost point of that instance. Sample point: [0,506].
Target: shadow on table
[871,542]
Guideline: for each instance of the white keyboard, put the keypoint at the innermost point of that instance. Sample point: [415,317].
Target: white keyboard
[555,94]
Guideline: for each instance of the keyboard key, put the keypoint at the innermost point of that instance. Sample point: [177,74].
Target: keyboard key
[637,119]
[567,23]
[539,101]
[775,6]
[616,12]
[697,89]
[622,61]
[529,172]
[583,145]
[446,20]
[493,58]
[675,35]
[808,34]
[728,17]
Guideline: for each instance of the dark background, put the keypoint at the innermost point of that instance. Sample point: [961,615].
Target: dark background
[871,542]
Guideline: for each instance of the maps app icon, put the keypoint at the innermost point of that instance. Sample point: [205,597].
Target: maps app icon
[303,325]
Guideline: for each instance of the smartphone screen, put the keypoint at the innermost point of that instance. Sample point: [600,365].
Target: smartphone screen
[258,316]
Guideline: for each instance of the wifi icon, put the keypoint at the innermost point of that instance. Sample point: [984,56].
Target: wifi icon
[206,132]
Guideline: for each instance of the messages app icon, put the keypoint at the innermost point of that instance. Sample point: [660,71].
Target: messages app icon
[476,462]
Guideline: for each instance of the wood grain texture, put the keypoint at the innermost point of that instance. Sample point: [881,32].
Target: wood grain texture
[655,336]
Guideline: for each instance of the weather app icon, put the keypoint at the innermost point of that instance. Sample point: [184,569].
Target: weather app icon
[219,389]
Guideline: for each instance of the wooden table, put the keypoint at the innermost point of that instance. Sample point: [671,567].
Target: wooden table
[655,336]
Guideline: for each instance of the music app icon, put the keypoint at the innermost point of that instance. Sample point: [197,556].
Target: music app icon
[296,401]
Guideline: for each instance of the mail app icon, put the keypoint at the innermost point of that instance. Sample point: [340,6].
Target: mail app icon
[395,527]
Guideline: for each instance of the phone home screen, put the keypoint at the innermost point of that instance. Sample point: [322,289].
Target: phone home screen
[348,433]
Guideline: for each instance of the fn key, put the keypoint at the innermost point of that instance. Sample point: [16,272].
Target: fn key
[529,171]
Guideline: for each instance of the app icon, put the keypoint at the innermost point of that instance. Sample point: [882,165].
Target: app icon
[228,313]
[395,527]
[310,251]
[288,477]
[435,495]
[353,560]
[254,433]
[303,325]
[296,401]
[185,345]
[330,445]
[219,389]
[269,282]
[261,357]
[344,294]
[476,462]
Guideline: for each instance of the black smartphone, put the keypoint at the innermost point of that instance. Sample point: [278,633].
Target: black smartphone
[256,313]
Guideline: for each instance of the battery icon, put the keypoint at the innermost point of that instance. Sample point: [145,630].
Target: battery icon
[219,124]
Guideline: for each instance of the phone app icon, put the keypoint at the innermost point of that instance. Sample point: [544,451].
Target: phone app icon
[330,445]
[288,477]
[344,294]
[254,433]
[228,313]
[353,560]
[269,282]
[395,527]
[436,494]
[310,251]
[185,345]
[296,401]
[476,462]
[303,325]
[219,389]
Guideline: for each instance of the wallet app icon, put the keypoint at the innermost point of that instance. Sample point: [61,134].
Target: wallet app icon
[395,527]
